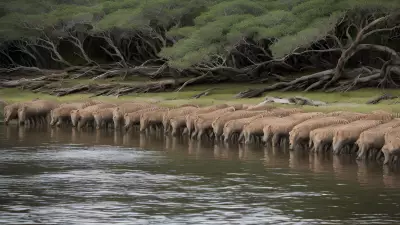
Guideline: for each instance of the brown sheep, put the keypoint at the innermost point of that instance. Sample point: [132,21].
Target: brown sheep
[392,145]
[374,138]
[10,111]
[177,123]
[261,107]
[38,109]
[133,118]
[350,116]
[194,119]
[203,122]
[278,130]
[349,133]
[239,106]
[61,115]
[186,110]
[255,128]
[379,115]
[219,123]
[152,118]
[322,138]
[120,111]
[236,125]
[80,117]
[103,117]
[191,117]
[300,133]
[80,105]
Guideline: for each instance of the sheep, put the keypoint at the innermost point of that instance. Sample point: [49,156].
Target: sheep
[236,125]
[374,138]
[349,133]
[278,130]
[120,111]
[379,115]
[192,120]
[191,117]
[177,123]
[10,112]
[38,109]
[350,116]
[300,133]
[187,105]
[219,122]
[80,105]
[203,122]
[256,127]
[261,107]
[321,138]
[61,115]
[152,118]
[174,113]
[392,145]
[133,118]
[103,117]
[81,117]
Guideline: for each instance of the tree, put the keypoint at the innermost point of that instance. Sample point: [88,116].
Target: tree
[212,40]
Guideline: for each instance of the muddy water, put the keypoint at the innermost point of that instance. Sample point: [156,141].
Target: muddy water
[61,176]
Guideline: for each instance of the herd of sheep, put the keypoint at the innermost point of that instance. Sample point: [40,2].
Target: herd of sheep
[369,134]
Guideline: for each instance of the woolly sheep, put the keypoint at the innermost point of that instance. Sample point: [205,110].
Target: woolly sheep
[374,138]
[300,133]
[176,113]
[256,127]
[277,130]
[349,133]
[392,145]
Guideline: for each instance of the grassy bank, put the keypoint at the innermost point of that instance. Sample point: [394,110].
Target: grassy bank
[350,101]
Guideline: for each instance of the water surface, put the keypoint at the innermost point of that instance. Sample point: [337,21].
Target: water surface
[65,176]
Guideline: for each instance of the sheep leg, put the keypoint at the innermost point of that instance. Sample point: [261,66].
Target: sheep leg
[226,137]
[200,134]
[185,131]
[386,154]
[174,131]
[246,137]
[275,140]
[194,134]
[361,152]
[211,134]
[379,155]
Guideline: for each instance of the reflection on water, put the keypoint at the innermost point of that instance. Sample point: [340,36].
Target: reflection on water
[65,176]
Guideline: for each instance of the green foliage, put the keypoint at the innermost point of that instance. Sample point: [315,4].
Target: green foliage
[203,31]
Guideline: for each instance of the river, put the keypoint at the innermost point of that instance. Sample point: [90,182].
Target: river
[62,176]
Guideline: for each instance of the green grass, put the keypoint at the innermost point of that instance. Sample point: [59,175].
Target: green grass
[349,101]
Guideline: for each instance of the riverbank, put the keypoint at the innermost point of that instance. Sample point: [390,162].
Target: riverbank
[225,93]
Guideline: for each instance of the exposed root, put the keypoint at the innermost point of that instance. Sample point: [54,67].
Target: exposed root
[385,96]
[203,93]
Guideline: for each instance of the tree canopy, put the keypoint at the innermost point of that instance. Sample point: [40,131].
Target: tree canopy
[197,31]
[181,34]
